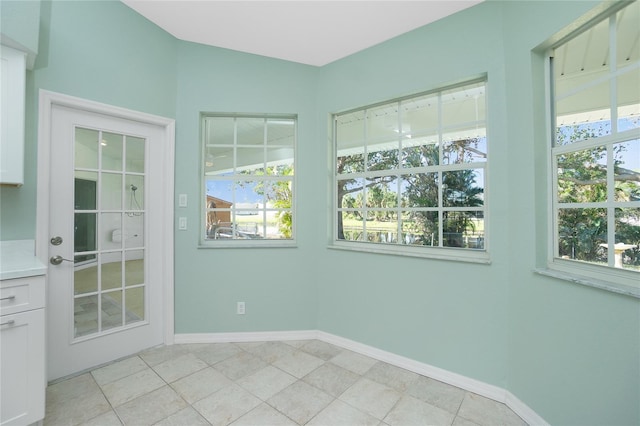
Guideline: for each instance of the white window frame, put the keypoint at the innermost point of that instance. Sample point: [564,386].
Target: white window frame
[441,253]
[247,243]
[618,280]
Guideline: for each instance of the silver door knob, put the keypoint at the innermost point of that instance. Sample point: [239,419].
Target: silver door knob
[56,241]
[57,259]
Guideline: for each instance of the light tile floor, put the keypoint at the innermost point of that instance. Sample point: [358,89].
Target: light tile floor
[272,383]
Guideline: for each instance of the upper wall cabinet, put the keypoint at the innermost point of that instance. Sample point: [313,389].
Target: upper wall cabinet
[12,90]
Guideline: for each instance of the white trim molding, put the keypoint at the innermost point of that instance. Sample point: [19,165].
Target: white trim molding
[466,383]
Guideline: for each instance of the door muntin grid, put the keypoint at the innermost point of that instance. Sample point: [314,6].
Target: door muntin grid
[109,287]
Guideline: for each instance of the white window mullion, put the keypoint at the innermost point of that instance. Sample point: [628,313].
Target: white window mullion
[613,67]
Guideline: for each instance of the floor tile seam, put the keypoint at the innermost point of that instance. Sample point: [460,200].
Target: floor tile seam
[111,406]
[323,408]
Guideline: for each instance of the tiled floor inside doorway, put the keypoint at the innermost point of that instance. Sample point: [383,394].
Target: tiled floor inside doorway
[273,383]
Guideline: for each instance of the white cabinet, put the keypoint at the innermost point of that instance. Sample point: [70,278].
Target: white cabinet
[22,350]
[12,92]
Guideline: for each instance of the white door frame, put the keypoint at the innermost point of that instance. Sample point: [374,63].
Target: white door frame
[47,100]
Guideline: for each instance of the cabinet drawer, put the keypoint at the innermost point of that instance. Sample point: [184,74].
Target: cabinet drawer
[21,294]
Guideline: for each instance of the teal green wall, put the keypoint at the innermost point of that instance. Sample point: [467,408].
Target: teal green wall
[574,351]
[20,24]
[277,285]
[98,50]
[449,314]
[569,352]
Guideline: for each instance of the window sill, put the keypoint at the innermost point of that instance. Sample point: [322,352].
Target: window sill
[614,287]
[449,254]
[247,244]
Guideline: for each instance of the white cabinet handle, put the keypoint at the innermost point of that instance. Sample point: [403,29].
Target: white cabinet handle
[10,322]
[13,296]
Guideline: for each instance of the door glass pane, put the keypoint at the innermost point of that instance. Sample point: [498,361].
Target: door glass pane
[111,191]
[133,230]
[111,151]
[111,309]
[111,226]
[134,190]
[134,268]
[85,315]
[111,270]
[135,154]
[134,305]
[85,279]
[86,148]
[85,233]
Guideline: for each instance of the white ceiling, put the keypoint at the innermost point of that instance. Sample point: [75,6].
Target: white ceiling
[305,31]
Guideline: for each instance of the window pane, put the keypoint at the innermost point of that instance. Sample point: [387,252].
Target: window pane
[219,130]
[420,228]
[353,163]
[627,170]
[628,48]
[218,160]
[581,233]
[584,115]
[279,161]
[627,248]
[384,159]
[629,100]
[463,229]
[352,226]
[351,193]
[582,176]
[464,150]
[420,152]
[281,132]
[419,116]
[463,105]
[349,132]
[382,125]
[463,188]
[250,131]
[419,190]
[250,160]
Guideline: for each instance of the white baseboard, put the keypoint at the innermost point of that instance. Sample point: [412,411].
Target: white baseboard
[257,336]
[481,388]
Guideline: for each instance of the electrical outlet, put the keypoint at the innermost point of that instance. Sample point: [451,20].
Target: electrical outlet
[240,308]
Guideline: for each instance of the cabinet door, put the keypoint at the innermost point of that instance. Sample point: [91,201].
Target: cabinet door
[12,94]
[22,390]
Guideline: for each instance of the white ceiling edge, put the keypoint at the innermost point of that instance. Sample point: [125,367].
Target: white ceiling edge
[310,32]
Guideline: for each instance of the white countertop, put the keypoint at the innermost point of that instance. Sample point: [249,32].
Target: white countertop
[18,260]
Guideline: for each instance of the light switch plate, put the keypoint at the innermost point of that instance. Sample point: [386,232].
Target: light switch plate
[182,200]
[182,223]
